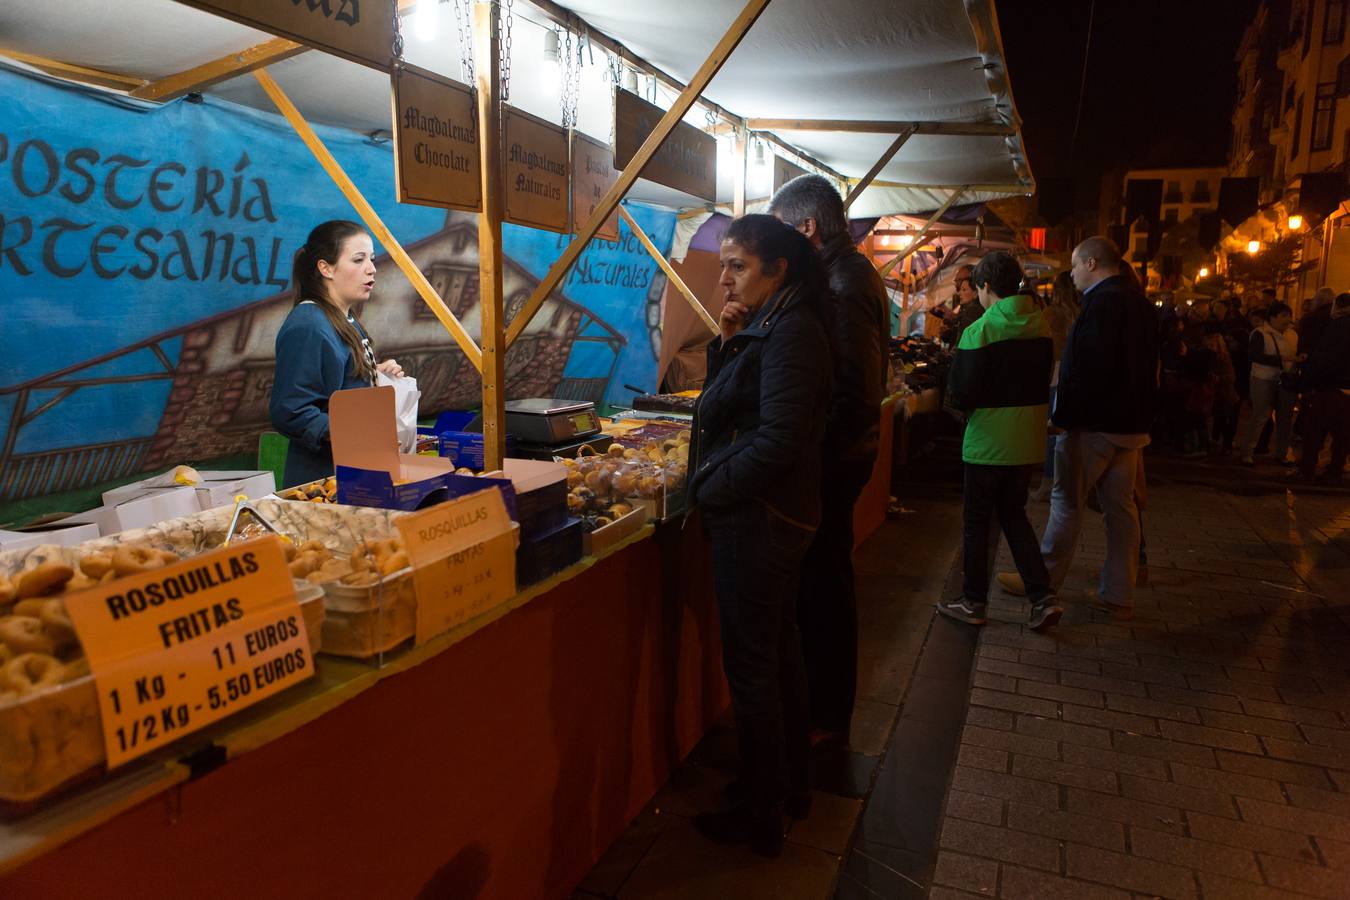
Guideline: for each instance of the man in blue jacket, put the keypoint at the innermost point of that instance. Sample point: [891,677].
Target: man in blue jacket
[1105,402]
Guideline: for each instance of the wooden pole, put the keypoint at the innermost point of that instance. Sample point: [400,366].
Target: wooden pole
[217,70]
[923,232]
[966,129]
[371,218]
[666,267]
[487,75]
[735,33]
[886,157]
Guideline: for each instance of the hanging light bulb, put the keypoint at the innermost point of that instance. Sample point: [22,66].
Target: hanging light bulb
[1295,222]
[425,20]
[630,80]
[1253,247]
[759,153]
[550,73]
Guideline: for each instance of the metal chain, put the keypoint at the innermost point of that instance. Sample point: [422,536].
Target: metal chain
[570,95]
[397,48]
[614,69]
[464,24]
[506,52]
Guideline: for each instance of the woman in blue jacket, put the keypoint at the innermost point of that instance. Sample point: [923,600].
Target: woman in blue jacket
[756,474]
[321,347]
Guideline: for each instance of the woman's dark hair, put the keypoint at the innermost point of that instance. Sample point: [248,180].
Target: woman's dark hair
[325,243]
[769,240]
[1276,308]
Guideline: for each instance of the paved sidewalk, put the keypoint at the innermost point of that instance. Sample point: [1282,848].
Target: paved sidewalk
[1200,750]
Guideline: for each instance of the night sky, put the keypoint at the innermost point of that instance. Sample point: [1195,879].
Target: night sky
[1160,82]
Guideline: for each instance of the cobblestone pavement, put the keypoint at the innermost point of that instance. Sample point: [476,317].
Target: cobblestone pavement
[1201,750]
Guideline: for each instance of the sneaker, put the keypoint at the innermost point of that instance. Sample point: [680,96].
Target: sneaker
[1045,612]
[963,610]
[1012,583]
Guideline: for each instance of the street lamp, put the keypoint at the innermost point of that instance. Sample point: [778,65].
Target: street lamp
[1204,272]
[1295,222]
[1253,247]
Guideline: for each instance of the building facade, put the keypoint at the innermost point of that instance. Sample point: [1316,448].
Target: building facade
[1292,118]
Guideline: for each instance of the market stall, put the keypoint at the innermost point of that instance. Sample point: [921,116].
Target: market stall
[419,708]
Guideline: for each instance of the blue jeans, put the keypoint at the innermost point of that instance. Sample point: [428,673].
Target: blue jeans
[756,557]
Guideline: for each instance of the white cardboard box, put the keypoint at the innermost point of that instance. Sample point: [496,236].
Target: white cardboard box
[150,507]
[220,488]
[19,540]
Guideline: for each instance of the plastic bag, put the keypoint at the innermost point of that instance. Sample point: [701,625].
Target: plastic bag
[406,396]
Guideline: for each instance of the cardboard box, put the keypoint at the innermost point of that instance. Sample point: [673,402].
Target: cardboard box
[601,539]
[150,507]
[548,553]
[372,472]
[541,495]
[463,448]
[220,488]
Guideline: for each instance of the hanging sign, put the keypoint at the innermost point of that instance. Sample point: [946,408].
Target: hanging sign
[593,174]
[686,160]
[784,171]
[464,559]
[359,30]
[435,141]
[174,649]
[536,172]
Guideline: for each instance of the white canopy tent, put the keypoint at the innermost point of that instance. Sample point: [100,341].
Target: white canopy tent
[836,81]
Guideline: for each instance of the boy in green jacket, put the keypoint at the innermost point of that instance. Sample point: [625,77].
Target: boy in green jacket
[1000,377]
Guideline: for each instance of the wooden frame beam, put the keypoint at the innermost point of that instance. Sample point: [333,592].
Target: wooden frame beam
[894,148]
[683,103]
[674,276]
[217,70]
[918,238]
[77,73]
[969,188]
[487,78]
[371,218]
[873,126]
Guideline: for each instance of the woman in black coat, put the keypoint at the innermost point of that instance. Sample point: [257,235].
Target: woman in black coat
[755,477]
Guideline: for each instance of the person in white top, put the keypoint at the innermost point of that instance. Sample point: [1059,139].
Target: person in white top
[1272,349]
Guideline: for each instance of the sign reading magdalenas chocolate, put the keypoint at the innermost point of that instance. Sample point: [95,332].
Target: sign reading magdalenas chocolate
[536,184]
[593,173]
[436,160]
[359,30]
[686,160]
[784,171]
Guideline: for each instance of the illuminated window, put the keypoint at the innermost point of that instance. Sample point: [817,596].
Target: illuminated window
[1324,116]
[1333,26]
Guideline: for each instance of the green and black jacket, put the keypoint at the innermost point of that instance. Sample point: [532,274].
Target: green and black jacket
[1001,378]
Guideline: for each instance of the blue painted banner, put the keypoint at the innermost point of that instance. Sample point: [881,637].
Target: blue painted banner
[145,259]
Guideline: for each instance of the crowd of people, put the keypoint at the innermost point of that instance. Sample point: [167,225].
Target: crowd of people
[1224,360]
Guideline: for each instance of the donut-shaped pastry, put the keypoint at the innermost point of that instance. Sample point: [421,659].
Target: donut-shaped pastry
[29,673]
[79,581]
[96,565]
[47,578]
[394,561]
[25,634]
[6,654]
[76,668]
[7,590]
[57,622]
[30,607]
[132,559]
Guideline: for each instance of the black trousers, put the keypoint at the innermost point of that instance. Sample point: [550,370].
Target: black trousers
[827,605]
[756,557]
[997,496]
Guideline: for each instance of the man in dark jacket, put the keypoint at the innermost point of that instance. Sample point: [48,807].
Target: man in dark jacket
[1108,389]
[859,325]
[1326,375]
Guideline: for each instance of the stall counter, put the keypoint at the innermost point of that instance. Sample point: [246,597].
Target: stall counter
[498,760]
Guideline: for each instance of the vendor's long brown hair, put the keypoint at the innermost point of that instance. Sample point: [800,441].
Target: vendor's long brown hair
[325,243]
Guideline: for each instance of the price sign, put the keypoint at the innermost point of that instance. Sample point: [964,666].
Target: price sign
[464,559]
[175,649]
[537,185]
[593,174]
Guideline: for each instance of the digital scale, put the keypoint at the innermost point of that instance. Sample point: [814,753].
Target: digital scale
[545,427]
